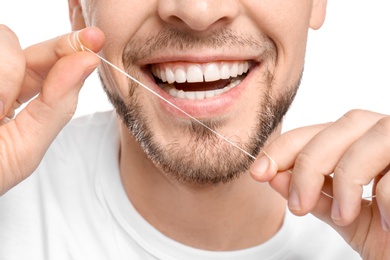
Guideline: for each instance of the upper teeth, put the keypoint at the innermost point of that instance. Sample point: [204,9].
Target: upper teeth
[194,72]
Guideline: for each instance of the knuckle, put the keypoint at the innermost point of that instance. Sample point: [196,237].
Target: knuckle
[5,29]
[344,174]
[382,127]
[353,116]
[340,172]
[303,161]
[59,50]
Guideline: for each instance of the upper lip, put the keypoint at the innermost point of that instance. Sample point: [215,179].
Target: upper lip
[200,57]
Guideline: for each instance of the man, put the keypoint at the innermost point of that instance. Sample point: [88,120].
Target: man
[152,183]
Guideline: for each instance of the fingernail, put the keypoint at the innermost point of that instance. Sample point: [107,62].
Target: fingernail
[273,163]
[260,166]
[385,225]
[336,213]
[294,202]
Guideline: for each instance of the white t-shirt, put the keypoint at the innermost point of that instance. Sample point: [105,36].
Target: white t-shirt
[74,207]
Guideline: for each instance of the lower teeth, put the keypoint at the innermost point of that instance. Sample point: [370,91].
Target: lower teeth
[199,95]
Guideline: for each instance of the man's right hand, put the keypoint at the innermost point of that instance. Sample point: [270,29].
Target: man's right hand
[51,73]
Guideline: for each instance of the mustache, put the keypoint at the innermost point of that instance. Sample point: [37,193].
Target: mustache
[168,38]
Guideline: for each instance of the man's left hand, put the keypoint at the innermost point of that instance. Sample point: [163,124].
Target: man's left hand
[322,169]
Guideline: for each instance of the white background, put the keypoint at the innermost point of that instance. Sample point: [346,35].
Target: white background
[347,64]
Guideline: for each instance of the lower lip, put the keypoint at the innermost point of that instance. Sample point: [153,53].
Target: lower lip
[205,108]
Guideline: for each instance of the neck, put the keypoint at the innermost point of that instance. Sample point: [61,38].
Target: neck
[230,216]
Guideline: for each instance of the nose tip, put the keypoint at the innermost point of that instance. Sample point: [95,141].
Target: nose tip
[197,15]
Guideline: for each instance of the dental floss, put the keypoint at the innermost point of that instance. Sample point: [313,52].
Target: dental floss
[83,48]
[73,45]
[272,160]
[323,192]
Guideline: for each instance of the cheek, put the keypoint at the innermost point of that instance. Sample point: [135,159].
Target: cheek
[118,19]
[286,23]
[290,61]
[114,81]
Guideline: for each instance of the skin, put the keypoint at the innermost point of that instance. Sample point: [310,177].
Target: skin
[175,207]
[151,184]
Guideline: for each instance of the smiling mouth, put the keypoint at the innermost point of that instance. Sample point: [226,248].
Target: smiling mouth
[198,81]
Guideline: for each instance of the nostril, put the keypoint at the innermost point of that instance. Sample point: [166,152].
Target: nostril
[197,15]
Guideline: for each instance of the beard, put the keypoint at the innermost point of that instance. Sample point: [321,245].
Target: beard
[206,159]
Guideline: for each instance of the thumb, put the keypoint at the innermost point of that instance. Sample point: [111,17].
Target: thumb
[55,105]
[26,138]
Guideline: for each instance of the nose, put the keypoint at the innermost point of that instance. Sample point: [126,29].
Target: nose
[198,15]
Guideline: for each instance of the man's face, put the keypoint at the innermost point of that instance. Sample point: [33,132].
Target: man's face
[234,65]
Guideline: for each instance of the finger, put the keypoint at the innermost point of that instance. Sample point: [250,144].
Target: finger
[11,112]
[26,138]
[281,153]
[281,183]
[383,200]
[12,69]
[57,101]
[322,210]
[40,58]
[362,162]
[321,155]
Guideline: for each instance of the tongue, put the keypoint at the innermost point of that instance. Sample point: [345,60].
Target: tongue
[202,86]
